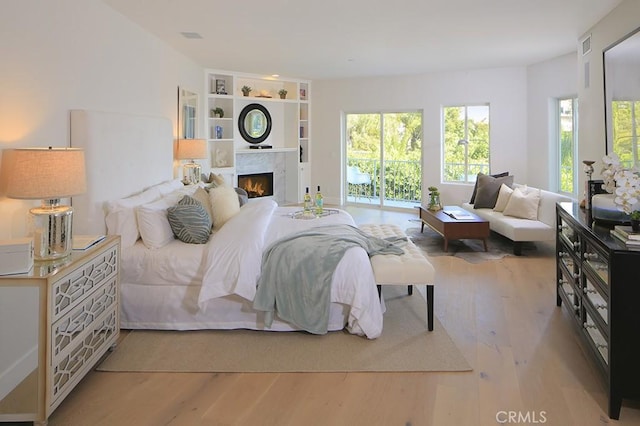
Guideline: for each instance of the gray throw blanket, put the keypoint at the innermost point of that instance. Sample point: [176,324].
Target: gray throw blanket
[297,272]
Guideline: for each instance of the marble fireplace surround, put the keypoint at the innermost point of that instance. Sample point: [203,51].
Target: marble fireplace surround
[265,162]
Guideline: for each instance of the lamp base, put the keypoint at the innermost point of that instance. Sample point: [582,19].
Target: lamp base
[191,173]
[50,227]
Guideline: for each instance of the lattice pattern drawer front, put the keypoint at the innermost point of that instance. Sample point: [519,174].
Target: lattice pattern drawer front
[84,352]
[72,325]
[74,286]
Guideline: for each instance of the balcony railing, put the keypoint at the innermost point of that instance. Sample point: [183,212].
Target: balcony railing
[454,172]
[403,178]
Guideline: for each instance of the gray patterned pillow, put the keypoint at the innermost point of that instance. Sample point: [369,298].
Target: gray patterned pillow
[189,221]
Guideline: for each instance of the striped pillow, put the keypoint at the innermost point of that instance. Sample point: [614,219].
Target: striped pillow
[189,221]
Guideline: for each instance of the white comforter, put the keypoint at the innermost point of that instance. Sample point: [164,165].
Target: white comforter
[233,257]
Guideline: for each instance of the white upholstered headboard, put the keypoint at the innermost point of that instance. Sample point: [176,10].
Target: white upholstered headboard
[124,155]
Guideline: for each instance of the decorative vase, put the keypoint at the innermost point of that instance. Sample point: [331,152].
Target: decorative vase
[434,203]
[635,225]
[283,96]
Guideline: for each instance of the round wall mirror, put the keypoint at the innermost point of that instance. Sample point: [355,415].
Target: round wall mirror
[254,123]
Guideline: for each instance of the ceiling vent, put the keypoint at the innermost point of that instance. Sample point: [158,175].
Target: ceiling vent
[586,45]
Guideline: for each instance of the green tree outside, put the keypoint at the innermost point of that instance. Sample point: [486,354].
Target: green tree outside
[401,134]
[476,133]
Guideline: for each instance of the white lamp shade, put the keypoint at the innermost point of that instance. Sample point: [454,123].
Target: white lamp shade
[45,173]
[189,149]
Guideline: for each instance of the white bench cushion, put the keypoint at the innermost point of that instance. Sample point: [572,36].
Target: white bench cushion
[410,268]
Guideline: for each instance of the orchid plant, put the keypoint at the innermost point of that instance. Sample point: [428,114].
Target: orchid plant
[623,183]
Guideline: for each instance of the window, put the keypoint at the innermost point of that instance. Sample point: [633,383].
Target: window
[466,142]
[384,157]
[567,145]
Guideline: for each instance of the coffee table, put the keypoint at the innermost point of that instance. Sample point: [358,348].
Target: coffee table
[473,227]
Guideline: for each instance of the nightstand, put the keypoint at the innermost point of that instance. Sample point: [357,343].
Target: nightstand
[56,322]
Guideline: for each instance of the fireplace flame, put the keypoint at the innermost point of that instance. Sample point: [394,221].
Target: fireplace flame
[254,187]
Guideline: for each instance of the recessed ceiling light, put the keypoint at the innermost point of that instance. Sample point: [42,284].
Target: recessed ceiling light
[190,35]
[275,75]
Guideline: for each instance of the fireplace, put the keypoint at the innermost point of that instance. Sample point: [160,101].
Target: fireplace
[257,184]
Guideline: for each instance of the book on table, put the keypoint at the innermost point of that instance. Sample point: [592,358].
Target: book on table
[83,242]
[630,243]
[627,232]
[459,214]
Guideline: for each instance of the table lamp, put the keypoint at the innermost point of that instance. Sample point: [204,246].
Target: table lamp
[191,149]
[48,174]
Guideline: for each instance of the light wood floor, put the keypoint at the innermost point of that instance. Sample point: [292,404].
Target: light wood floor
[524,351]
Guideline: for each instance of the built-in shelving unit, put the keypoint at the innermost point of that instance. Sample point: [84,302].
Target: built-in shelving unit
[291,125]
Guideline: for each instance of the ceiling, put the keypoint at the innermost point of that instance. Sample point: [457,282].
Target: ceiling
[325,39]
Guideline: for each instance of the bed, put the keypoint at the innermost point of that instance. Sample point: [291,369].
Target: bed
[181,286]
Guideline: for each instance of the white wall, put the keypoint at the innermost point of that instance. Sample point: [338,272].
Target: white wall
[77,54]
[546,82]
[620,22]
[505,89]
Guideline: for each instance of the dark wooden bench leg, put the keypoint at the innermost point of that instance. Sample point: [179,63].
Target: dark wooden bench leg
[430,307]
[429,303]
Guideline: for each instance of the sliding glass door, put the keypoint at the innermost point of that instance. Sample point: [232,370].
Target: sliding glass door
[383,158]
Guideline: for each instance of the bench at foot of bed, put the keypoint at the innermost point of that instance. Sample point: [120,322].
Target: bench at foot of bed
[411,268]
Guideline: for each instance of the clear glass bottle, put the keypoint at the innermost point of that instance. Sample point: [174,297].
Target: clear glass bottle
[307,201]
[319,202]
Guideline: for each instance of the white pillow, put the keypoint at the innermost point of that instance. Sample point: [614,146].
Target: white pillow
[503,198]
[121,216]
[523,203]
[202,196]
[224,204]
[169,186]
[153,223]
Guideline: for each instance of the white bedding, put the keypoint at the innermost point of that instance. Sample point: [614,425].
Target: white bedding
[228,267]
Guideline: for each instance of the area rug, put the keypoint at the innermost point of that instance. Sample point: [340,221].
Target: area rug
[405,345]
[472,251]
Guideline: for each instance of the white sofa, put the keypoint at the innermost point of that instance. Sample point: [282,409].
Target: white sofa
[520,230]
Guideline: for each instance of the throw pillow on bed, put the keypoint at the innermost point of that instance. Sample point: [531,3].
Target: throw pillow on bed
[203,198]
[153,224]
[190,221]
[224,204]
[523,203]
[488,190]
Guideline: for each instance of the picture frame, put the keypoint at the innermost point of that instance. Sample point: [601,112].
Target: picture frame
[221,88]
[303,94]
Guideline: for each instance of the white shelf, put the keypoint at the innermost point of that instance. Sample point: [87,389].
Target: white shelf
[262,151]
[291,125]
